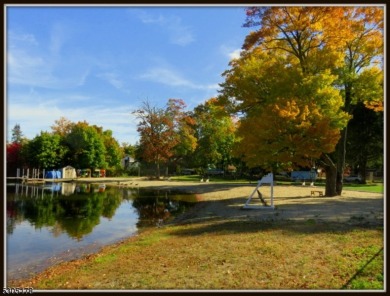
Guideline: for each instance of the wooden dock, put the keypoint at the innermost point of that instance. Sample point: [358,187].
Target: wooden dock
[27,180]
[34,181]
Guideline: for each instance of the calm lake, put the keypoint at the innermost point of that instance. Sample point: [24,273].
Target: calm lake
[51,223]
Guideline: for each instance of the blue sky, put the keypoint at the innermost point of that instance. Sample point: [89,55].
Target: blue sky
[100,63]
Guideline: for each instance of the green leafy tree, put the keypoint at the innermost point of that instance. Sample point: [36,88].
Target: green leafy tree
[86,147]
[46,151]
[114,153]
[128,149]
[215,133]
[365,138]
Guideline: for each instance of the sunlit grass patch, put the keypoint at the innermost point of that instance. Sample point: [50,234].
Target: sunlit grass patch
[232,254]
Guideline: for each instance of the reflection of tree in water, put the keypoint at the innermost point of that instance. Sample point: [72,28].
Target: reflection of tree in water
[75,214]
[111,202]
[14,215]
[41,212]
[80,214]
[155,207]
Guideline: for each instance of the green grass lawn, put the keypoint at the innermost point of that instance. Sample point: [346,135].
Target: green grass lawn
[230,254]
[373,187]
[370,187]
[215,179]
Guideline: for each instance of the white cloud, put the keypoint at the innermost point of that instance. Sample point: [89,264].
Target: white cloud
[235,54]
[32,65]
[112,79]
[172,78]
[33,70]
[27,69]
[25,38]
[147,18]
[36,118]
[179,34]
[83,77]
[167,77]
[231,53]
[57,38]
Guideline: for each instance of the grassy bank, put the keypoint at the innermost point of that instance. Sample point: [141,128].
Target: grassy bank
[302,245]
[376,187]
[230,254]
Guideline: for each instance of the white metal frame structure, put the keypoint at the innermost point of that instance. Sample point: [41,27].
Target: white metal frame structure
[267,179]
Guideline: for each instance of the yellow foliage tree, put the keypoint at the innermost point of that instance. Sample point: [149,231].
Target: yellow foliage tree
[301,70]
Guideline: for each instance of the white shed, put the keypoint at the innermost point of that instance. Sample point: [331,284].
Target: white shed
[69,172]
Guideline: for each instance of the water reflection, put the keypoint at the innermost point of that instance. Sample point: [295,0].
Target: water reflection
[77,208]
[50,219]
[68,208]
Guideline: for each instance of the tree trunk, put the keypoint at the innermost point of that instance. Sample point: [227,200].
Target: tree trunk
[363,169]
[331,175]
[158,169]
[341,153]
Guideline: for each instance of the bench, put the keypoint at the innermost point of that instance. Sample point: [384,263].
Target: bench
[320,193]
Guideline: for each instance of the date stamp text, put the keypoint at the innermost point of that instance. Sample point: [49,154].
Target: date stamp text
[17,290]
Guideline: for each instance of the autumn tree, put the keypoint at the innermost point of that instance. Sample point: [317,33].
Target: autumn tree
[184,127]
[302,44]
[62,126]
[14,158]
[288,118]
[274,81]
[361,74]
[158,129]
[15,151]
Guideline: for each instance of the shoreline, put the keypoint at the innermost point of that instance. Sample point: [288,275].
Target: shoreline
[224,201]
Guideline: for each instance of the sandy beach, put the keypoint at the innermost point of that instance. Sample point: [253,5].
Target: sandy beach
[226,200]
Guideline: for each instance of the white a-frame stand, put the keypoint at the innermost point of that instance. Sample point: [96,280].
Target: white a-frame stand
[267,179]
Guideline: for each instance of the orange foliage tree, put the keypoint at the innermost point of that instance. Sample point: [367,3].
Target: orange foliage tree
[161,130]
[298,70]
